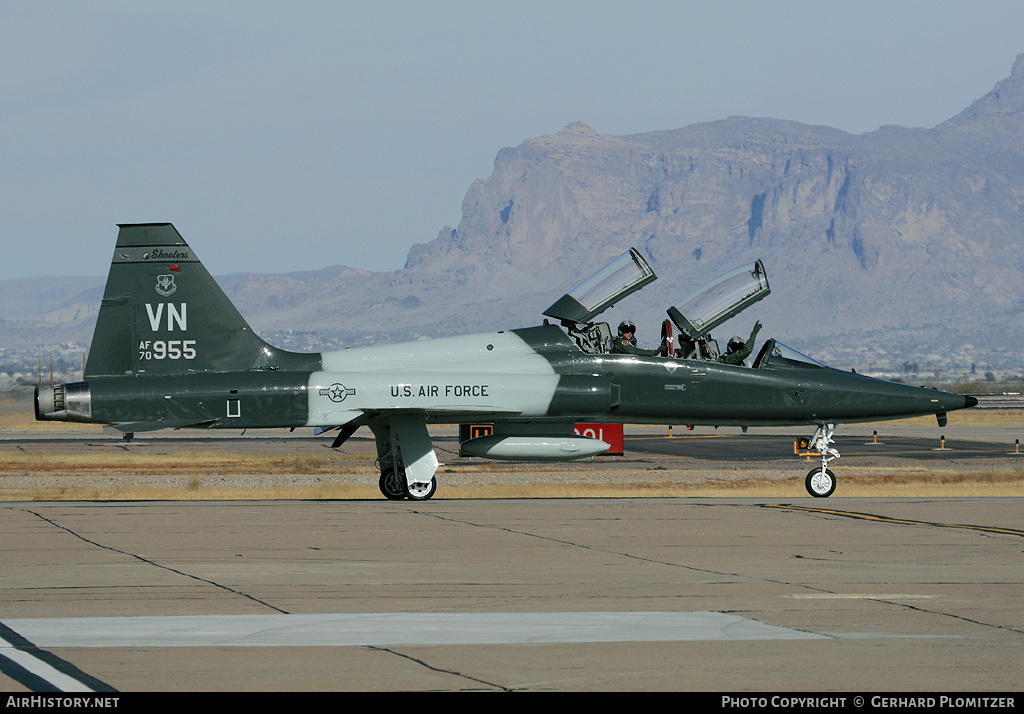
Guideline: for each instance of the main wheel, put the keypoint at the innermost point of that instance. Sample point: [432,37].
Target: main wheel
[392,483]
[820,482]
[421,491]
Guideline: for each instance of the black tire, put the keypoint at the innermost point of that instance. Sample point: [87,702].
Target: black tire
[820,482]
[392,483]
[421,492]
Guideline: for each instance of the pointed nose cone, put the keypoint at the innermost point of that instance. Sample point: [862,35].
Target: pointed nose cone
[858,397]
[941,402]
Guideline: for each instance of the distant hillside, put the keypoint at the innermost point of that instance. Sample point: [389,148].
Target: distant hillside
[900,245]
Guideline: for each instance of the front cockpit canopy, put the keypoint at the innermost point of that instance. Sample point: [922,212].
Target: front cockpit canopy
[724,297]
[775,354]
[621,277]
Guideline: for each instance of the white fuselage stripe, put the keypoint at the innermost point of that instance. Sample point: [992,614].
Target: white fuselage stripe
[489,373]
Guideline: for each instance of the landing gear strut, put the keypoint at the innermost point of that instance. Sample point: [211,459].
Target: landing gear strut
[406,460]
[821,482]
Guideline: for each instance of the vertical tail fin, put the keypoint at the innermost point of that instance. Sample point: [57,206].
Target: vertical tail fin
[163,313]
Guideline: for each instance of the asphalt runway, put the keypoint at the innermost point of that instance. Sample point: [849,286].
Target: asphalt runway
[724,595]
[855,449]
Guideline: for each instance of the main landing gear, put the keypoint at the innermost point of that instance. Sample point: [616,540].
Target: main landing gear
[406,459]
[821,482]
[394,485]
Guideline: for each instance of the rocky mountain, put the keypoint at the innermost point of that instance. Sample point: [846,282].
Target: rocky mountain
[896,246]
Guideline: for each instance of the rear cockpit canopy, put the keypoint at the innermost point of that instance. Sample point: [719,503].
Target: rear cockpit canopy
[726,296]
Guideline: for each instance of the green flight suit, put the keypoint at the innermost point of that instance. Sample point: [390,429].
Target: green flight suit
[743,352]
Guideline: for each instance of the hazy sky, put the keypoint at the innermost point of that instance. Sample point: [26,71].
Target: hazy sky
[295,135]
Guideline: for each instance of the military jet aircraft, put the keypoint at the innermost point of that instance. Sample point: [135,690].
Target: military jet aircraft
[171,351]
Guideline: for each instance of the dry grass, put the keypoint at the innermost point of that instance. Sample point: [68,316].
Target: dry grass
[181,476]
[325,492]
[16,421]
[183,462]
[880,482]
[194,492]
[211,476]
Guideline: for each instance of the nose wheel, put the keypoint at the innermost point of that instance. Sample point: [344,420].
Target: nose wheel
[821,482]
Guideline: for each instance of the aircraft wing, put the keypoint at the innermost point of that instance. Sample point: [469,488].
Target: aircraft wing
[365,415]
[127,427]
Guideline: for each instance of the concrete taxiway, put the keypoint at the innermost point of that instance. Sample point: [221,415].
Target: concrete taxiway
[849,595]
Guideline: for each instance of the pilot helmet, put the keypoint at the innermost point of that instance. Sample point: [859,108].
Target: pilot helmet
[627,326]
[735,342]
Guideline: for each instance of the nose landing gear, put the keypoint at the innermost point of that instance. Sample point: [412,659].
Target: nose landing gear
[821,482]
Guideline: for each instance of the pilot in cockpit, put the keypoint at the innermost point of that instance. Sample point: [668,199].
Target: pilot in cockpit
[738,350]
[625,343]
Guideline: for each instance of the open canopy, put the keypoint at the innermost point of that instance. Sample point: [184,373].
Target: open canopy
[621,277]
[724,297]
